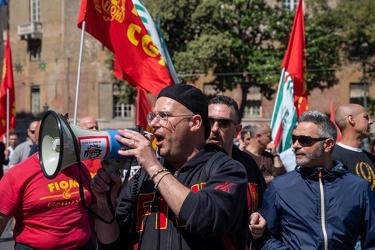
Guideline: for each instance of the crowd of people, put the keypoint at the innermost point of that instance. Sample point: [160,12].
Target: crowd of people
[211,184]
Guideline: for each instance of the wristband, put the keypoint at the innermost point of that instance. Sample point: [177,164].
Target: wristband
[275,155]
[158,172]
[157,184]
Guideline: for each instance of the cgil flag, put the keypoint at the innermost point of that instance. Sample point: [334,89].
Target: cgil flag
[7,99]
[118,26]
[157,39]
[156,36]
[291,99]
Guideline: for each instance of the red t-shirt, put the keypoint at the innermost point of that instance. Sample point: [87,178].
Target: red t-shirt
[48,213]
[93,166]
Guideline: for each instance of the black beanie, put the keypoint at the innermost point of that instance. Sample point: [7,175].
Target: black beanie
[192,98]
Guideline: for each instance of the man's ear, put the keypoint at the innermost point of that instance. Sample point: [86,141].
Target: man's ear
[238,130]
[351,120]
[196,122]
[329,144]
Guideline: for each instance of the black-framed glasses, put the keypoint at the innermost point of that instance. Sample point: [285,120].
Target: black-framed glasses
[161,117]
[306,141]
[222,122]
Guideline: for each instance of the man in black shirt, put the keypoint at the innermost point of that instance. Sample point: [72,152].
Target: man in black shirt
[223,115]
[354,123]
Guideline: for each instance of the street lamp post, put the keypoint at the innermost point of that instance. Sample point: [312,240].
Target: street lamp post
[364,50]
[364,86]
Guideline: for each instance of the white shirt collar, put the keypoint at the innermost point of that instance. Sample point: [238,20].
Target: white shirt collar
[350,148]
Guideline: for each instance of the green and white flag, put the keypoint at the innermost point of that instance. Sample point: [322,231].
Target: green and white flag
[284,114]
[291,99]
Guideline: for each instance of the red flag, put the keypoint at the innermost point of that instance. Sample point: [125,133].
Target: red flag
[117,71]
[7,84]
[117,26]
[144,106]
[295,61]
[332,117]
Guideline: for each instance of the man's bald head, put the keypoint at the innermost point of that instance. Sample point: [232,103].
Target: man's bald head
[88,122]
[31,131]
[344,111]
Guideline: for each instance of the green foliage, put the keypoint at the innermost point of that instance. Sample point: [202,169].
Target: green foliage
[242,41]
[122,90]
[352,20]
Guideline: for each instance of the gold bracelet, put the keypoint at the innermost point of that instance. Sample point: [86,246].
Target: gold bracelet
[156,185]
[158,172]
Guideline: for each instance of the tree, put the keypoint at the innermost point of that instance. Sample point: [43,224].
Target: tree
[242,41]
[353,23]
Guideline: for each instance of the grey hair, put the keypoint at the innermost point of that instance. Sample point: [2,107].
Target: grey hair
[326,128]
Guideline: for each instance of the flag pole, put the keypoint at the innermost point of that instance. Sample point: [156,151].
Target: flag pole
[79,72]
[8,118]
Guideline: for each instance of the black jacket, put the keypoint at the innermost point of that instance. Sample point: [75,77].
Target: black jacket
[2,159]
[213,216]
[257,184]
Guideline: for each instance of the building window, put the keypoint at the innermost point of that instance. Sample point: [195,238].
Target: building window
[289,5]
[34,46]
[35,101]
[122,110]
[34,10]
[357,93]
[253,108]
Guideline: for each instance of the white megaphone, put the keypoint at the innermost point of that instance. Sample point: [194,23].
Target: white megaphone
[60,144]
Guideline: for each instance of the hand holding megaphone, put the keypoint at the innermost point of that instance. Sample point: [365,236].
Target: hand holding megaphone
[140,147]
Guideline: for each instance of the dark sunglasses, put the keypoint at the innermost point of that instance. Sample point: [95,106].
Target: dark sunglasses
[222,123]
[306,141]
[32,131]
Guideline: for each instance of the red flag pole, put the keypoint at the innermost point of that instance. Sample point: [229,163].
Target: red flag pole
[79,72]
[7,92]
[8,118]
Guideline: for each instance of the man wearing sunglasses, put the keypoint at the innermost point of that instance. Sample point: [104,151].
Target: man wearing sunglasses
[178,206]
[22,151]
[354,123]
[320,205]
[223,115]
